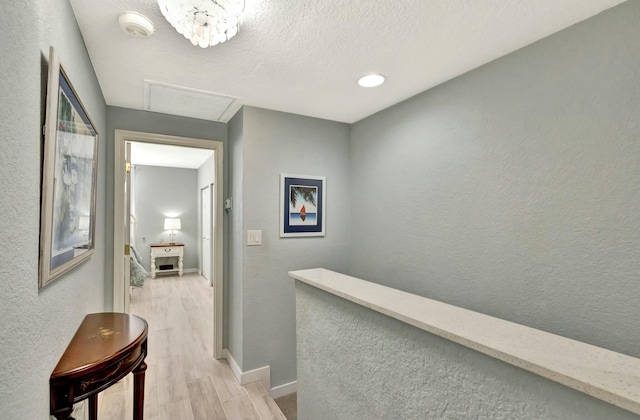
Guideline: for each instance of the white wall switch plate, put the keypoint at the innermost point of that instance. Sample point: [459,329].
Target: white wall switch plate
[254,237]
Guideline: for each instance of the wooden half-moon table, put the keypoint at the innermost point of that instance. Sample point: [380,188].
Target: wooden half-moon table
[106,347]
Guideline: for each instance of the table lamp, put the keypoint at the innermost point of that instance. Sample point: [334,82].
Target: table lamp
[172,224]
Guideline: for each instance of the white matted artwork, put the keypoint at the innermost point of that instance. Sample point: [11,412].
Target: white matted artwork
[302,205]
[68,214]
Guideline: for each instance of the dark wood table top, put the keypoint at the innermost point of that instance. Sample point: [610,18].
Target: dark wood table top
[101,338]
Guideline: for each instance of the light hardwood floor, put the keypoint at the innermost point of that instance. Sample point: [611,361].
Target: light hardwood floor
[183,380]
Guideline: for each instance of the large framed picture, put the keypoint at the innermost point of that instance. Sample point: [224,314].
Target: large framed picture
[302,205]
[68,212]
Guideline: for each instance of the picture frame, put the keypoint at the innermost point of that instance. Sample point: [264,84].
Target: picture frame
[69,171]
[302,205]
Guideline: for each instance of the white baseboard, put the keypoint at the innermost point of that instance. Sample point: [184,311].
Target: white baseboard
[234,365]
[286,389]
[190,270]
[262,374]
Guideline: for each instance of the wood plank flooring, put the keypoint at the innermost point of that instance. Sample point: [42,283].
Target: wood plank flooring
[183,380]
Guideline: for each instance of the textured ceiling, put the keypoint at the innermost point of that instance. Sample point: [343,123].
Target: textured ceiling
[305,56]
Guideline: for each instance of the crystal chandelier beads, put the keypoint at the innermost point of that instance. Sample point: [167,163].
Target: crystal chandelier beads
[204,22]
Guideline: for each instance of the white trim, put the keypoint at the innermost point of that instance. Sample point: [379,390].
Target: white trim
[228,113]
[120,303]
[262,374]
[285,389]
[120,292]
[237,372]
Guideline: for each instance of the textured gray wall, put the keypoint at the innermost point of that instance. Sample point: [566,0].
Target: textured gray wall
[276,142]
[36,325]
[514,190]
[355,363]
[149,122]
[167,192]
[234,250]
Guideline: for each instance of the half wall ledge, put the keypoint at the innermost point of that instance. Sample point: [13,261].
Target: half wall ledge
[598,372]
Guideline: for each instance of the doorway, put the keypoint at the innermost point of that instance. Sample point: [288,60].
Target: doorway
[121,222]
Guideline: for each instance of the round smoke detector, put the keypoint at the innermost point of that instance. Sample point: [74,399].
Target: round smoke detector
[136,24]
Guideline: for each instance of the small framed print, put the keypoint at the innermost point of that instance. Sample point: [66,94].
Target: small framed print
[302,205]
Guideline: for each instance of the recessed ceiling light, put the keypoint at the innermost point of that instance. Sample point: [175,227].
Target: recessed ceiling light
[136,24]
[371,80]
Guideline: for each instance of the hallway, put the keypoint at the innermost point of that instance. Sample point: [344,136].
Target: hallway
[183,381]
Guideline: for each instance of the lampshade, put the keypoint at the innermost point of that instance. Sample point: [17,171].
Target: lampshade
[171,224]
[204,22]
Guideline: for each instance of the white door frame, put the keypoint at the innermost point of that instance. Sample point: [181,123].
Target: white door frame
[120,289]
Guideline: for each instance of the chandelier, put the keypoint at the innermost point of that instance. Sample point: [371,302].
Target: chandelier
[204,22]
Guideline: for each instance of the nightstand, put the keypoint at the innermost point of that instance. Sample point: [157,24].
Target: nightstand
[164,251]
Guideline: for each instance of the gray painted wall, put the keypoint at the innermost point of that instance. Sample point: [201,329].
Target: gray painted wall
[511,190]
[36,325]
[167,192]
[514,190]
[233,293]
[273,143]
[148,122]
[355,363]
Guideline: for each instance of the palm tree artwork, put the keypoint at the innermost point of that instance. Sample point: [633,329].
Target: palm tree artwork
[303,205]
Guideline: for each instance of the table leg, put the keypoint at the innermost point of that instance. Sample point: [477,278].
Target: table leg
[138,391]
[93,407]
[61,402]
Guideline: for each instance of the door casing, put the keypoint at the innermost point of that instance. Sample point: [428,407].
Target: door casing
[120,289]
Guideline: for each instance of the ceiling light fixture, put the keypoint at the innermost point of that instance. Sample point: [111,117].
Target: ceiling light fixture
[371,80]
[136,24]
[204,22]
